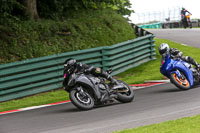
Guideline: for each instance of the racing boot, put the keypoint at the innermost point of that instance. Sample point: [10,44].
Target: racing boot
[113,81]
[110,78]
[197,66]
[115,85]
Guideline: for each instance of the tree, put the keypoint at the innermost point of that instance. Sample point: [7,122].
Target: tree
[56,9]
[30,9]
[22,8]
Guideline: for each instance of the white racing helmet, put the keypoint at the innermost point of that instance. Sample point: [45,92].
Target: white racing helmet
[163,48]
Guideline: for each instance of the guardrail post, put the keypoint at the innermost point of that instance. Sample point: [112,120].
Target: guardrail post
[103,62]
[152,47]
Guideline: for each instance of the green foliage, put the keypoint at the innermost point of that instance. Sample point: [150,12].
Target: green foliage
[59,9]
[8,6]
[86,29]
[56,9]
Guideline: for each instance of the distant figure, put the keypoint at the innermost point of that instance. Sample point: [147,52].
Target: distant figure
[167,19]
[183,13]
[185,18]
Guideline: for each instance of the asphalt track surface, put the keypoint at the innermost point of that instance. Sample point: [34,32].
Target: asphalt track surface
[151,105]
[185,36]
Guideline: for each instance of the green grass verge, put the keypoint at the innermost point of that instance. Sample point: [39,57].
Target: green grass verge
[146,71]
[20,39]
[183,125]
[39,99]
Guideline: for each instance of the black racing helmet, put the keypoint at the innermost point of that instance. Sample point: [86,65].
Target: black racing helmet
[69,65]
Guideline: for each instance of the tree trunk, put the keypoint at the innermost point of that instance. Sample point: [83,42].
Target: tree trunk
[31,9]
[1,6]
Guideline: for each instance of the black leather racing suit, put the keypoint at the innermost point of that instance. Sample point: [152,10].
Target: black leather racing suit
[175,53]
[95,71]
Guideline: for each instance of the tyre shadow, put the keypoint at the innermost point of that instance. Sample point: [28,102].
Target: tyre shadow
[74,109]
[107,105]
[171,90]
[175,89]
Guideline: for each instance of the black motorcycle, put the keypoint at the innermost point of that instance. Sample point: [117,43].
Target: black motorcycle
[186,21]
[86,90]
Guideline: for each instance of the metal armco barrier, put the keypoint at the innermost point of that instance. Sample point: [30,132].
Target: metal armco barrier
[139,31]
[37,75]
[152,26]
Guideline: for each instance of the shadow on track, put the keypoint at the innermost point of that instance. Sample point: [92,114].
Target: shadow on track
[171,90]
[73,109]
[70,110]
[62,111]
[174,90]
[107,105]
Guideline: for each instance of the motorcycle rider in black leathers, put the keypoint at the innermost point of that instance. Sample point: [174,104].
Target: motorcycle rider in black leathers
[80,67]
[175,53]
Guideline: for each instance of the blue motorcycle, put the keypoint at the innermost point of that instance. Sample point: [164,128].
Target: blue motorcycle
[180,73]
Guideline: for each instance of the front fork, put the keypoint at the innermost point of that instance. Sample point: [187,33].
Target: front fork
[81,92]
[178,73]
[189,77]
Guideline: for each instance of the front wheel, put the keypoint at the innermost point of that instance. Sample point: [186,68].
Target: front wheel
[81,99]
[125,97]
[181,82]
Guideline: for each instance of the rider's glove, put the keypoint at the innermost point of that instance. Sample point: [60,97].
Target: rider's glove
[86,71]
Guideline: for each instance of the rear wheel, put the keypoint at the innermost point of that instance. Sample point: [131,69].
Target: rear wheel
[181,82]
[125,97]
[81,99]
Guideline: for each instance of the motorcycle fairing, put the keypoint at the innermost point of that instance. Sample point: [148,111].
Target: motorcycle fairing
[85,81]
[172,66]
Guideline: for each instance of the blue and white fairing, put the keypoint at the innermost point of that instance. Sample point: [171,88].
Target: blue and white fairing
[169,66]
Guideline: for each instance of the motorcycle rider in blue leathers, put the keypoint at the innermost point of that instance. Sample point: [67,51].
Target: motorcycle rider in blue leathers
[175,53]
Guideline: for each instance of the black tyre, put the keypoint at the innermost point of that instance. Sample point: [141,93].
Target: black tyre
[81,100]
[125,97]
[181,83]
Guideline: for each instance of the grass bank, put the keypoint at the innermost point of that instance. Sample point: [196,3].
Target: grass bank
[146,71]
[184,125]
[20,39]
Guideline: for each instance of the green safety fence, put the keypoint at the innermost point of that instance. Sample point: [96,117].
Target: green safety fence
[42,74]
[151,26]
